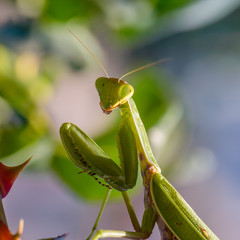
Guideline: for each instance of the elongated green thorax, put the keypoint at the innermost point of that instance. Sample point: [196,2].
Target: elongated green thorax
[112,93]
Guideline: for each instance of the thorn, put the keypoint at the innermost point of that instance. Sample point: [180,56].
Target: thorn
[8,175]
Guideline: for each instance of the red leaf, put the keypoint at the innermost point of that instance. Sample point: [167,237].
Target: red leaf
[8,176]
[5,234]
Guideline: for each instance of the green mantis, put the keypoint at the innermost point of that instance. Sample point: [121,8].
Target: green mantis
[163,204]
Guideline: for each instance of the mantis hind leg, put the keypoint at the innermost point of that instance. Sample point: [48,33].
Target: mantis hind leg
[142,232]
[148,222]
[100,213]
[118,234]
[104,233]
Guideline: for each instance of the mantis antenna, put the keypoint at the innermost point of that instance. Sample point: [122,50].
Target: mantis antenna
[145,66]
[96,59]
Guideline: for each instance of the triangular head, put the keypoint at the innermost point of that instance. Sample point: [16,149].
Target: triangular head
[113,93]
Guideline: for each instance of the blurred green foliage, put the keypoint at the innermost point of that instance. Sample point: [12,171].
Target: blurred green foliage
[163,7]
[22,120]
[62,10]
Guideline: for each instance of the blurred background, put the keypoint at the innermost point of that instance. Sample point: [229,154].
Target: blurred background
[189,105]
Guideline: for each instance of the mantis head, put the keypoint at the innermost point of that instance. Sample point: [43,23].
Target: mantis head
[113,93]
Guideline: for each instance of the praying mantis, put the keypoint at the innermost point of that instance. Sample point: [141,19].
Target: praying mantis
[163,204]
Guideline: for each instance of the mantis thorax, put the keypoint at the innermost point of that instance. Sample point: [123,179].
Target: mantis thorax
[113,93]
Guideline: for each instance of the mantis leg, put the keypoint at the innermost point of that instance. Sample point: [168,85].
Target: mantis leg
[130,209]
[148,222]
[119,234]
[100,212]
[143,232]
[86,154]
[132,215]
[131,212]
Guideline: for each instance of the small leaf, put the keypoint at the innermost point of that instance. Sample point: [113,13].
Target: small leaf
[8,176]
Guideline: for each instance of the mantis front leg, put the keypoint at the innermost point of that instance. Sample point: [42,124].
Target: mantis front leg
[86,154]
